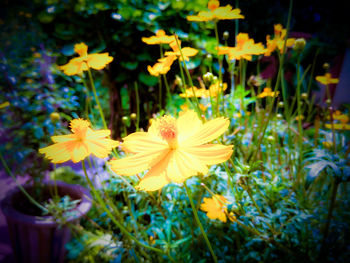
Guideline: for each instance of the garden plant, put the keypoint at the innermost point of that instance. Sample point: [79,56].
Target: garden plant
[213,149]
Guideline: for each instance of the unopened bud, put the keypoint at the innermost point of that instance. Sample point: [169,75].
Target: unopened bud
[55,117]
[209,57]
[226,35]
[325,66]
[304,96]
[178,81]
[329,102]
[133,116]
[279,116]
[299,44]
[270,138]
[281,104]
[125,119]
[208,78]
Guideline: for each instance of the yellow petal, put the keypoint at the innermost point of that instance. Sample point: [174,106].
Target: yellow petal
[208,132]
[186,130]
[101,148]
[210,154]
[137,163]
[99,61]
[143,142]
[80,152]
[59,152]
[63,138]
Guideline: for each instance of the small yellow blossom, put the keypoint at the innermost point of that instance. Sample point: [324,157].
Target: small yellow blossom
[215,89]
[186,51]
[278,41]
[215,208]
[301,117]
[327,144]
[159,38]
[338,126]
[4,105]
[327,79]
[55,117]
[216,12]
[244,49]
[162,67]
[81,143]
[195,92]
[343,118]
[85,61]
[267,92]
[173,150]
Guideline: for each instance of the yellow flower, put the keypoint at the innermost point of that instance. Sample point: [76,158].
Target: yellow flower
[278,41]
[327,79]
[215,208]
[215,88]
[338,126]
[186,51]
[81,143]
[327,144]
[216,12]
[268,93]
[159,38]
[343,118]
[301,117]
[245,48]
[197,93]
[162,67]
[85,61]
[4,105]
[173,150]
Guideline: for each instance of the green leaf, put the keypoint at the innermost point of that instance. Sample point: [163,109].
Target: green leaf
[148,79]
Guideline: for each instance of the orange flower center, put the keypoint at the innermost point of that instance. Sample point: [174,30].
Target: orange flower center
[168,130]
[213,4]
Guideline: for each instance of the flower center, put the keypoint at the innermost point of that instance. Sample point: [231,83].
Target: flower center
[168,130]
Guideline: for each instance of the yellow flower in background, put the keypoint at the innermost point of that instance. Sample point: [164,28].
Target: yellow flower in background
[301,117]
[338,126]
[173,150]
[327,79]
[216,12]
[278,40]
[4,105]
[186,51]
[201,93]
[215,208]
[267,92]
[162,67]
[85,61]
[81,143]
[215,89]
[245,48]
[159,38]
[337,115]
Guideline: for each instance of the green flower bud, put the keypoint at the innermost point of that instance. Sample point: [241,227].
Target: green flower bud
[299,44]
[226,35]
[208,78]
[133,116]
[55,117]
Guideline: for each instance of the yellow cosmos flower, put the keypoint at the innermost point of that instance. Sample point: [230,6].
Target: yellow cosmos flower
[215,208]
[215,88]
[327,79]
[162,67]
[81,143]
[173,150]
[216,12]
[85,61]
[159,38]
[278,41]
[338,126]
[4,105]
[343,118]
[267,92]
[186,51]
[200,93]
[245,48]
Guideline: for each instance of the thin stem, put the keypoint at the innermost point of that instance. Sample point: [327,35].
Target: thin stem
[97,100]
[111,216]
[31,199]
[137,106]
[188,191]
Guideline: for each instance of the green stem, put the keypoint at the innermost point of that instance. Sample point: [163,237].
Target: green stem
[31,199]
[188,191]
[97,100]
[111,216]
[137,106]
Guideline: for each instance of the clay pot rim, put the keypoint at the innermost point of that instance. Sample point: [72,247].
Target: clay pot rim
[47,221]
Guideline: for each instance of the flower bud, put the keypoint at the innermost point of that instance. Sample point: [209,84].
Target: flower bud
[178,81]
[270,139]
[209,57]
[125,119]
[281,104]
[299,44]
[208,78]
[329,102]
[279,116]
[133,116]
[304,96]
[55,117]
[325,66]
[226,35]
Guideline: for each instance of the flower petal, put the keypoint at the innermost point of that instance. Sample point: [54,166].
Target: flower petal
[80,152]
[101,148]
[63,138]
[210,154]
[58,152]
[99,61]
[142,142]
[208,132]
[186,130]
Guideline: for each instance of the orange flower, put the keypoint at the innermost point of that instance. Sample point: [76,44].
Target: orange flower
[327,79]
[215,208]
[173,150]
[268,93]
[159,38]
[245,48]
[162,67]
[85,61]
[81,143]
[216,12]
[278,41]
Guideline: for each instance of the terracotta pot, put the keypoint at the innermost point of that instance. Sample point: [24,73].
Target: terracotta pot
[39,239]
